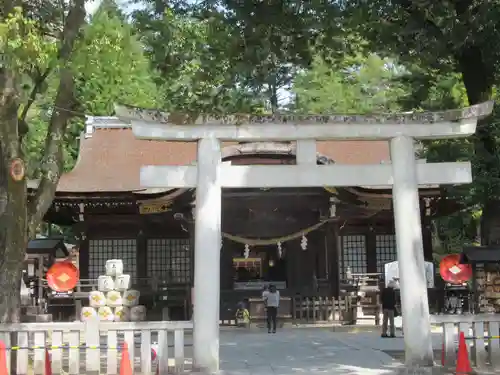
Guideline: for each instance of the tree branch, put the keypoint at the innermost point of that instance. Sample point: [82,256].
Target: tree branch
[37,88]
[52,160]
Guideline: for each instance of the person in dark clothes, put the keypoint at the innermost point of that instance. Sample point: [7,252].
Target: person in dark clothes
[388,299]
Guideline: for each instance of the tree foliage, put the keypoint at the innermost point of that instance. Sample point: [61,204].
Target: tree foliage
[192,58]
[445,38]
[110,66]
[369,84]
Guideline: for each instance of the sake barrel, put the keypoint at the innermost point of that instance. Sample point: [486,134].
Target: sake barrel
[105,283]
[131,298]
[114,299]
[122,282]
[138,313]
[114,267]
[105,313]
[122,314]
[97,299]
[87,313]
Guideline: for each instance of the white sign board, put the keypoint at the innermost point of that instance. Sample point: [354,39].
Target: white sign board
[392,273]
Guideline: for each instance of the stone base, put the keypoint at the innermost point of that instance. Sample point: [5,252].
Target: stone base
[435,370]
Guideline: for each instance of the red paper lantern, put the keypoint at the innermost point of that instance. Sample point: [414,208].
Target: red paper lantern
[452,271]
[63,276]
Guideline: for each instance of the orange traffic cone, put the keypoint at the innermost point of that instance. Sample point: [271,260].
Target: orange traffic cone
[125,365]
[48,363]
[3,359]
[463,363]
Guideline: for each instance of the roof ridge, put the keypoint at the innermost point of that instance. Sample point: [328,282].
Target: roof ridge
[103,122]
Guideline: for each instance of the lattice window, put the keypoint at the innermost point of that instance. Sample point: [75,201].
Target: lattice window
[169,260]
[353,254]
[386,250]
[102,250]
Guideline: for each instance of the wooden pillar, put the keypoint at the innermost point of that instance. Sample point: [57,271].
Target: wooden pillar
[371,250]
[294,248]
[81,230]
[190,227]
[288,253]
[427,229]
[331,244]
[84,258]
[226,264]
[142,255]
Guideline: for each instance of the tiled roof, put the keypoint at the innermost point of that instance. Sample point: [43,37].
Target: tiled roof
[110,157]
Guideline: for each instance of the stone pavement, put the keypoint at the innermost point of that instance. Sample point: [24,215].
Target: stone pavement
[308,351]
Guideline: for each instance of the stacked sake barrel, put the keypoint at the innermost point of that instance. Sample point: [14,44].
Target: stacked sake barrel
[114,300]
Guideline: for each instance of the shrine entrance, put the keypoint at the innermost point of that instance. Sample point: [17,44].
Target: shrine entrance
[404,175]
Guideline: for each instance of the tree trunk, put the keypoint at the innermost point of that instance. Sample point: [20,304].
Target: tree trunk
[13,210]
[478,81]
[18,217]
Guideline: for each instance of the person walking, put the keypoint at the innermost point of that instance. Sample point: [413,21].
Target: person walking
[388,299]
[272,301]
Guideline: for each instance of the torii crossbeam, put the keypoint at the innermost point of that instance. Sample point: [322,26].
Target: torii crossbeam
[404,174]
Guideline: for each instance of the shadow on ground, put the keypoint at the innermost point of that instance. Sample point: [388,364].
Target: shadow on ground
[304,351]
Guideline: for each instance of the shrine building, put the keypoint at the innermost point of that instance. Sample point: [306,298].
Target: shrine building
[304,240]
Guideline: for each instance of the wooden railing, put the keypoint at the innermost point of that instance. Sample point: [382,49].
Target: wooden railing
[320,309]
[95,347]
[482,333]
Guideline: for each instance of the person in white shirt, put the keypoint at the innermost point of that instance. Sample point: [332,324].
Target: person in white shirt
[272,301]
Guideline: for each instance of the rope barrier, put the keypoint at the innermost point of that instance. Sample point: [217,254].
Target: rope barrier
[482,338]
[50,347]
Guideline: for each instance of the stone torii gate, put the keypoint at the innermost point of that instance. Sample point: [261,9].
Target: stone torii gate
[210,175]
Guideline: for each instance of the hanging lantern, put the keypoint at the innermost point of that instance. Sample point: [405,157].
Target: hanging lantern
[246,252]
[303,243]
[280,250]
[453,271]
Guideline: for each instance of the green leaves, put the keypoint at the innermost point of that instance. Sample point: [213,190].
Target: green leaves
[23,47]
[111,67]
[191,56]
[367,85]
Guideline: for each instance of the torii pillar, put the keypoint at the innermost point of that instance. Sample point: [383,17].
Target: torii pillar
[404,175]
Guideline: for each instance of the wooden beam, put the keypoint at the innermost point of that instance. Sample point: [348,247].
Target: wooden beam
[272,193]
[275,176]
